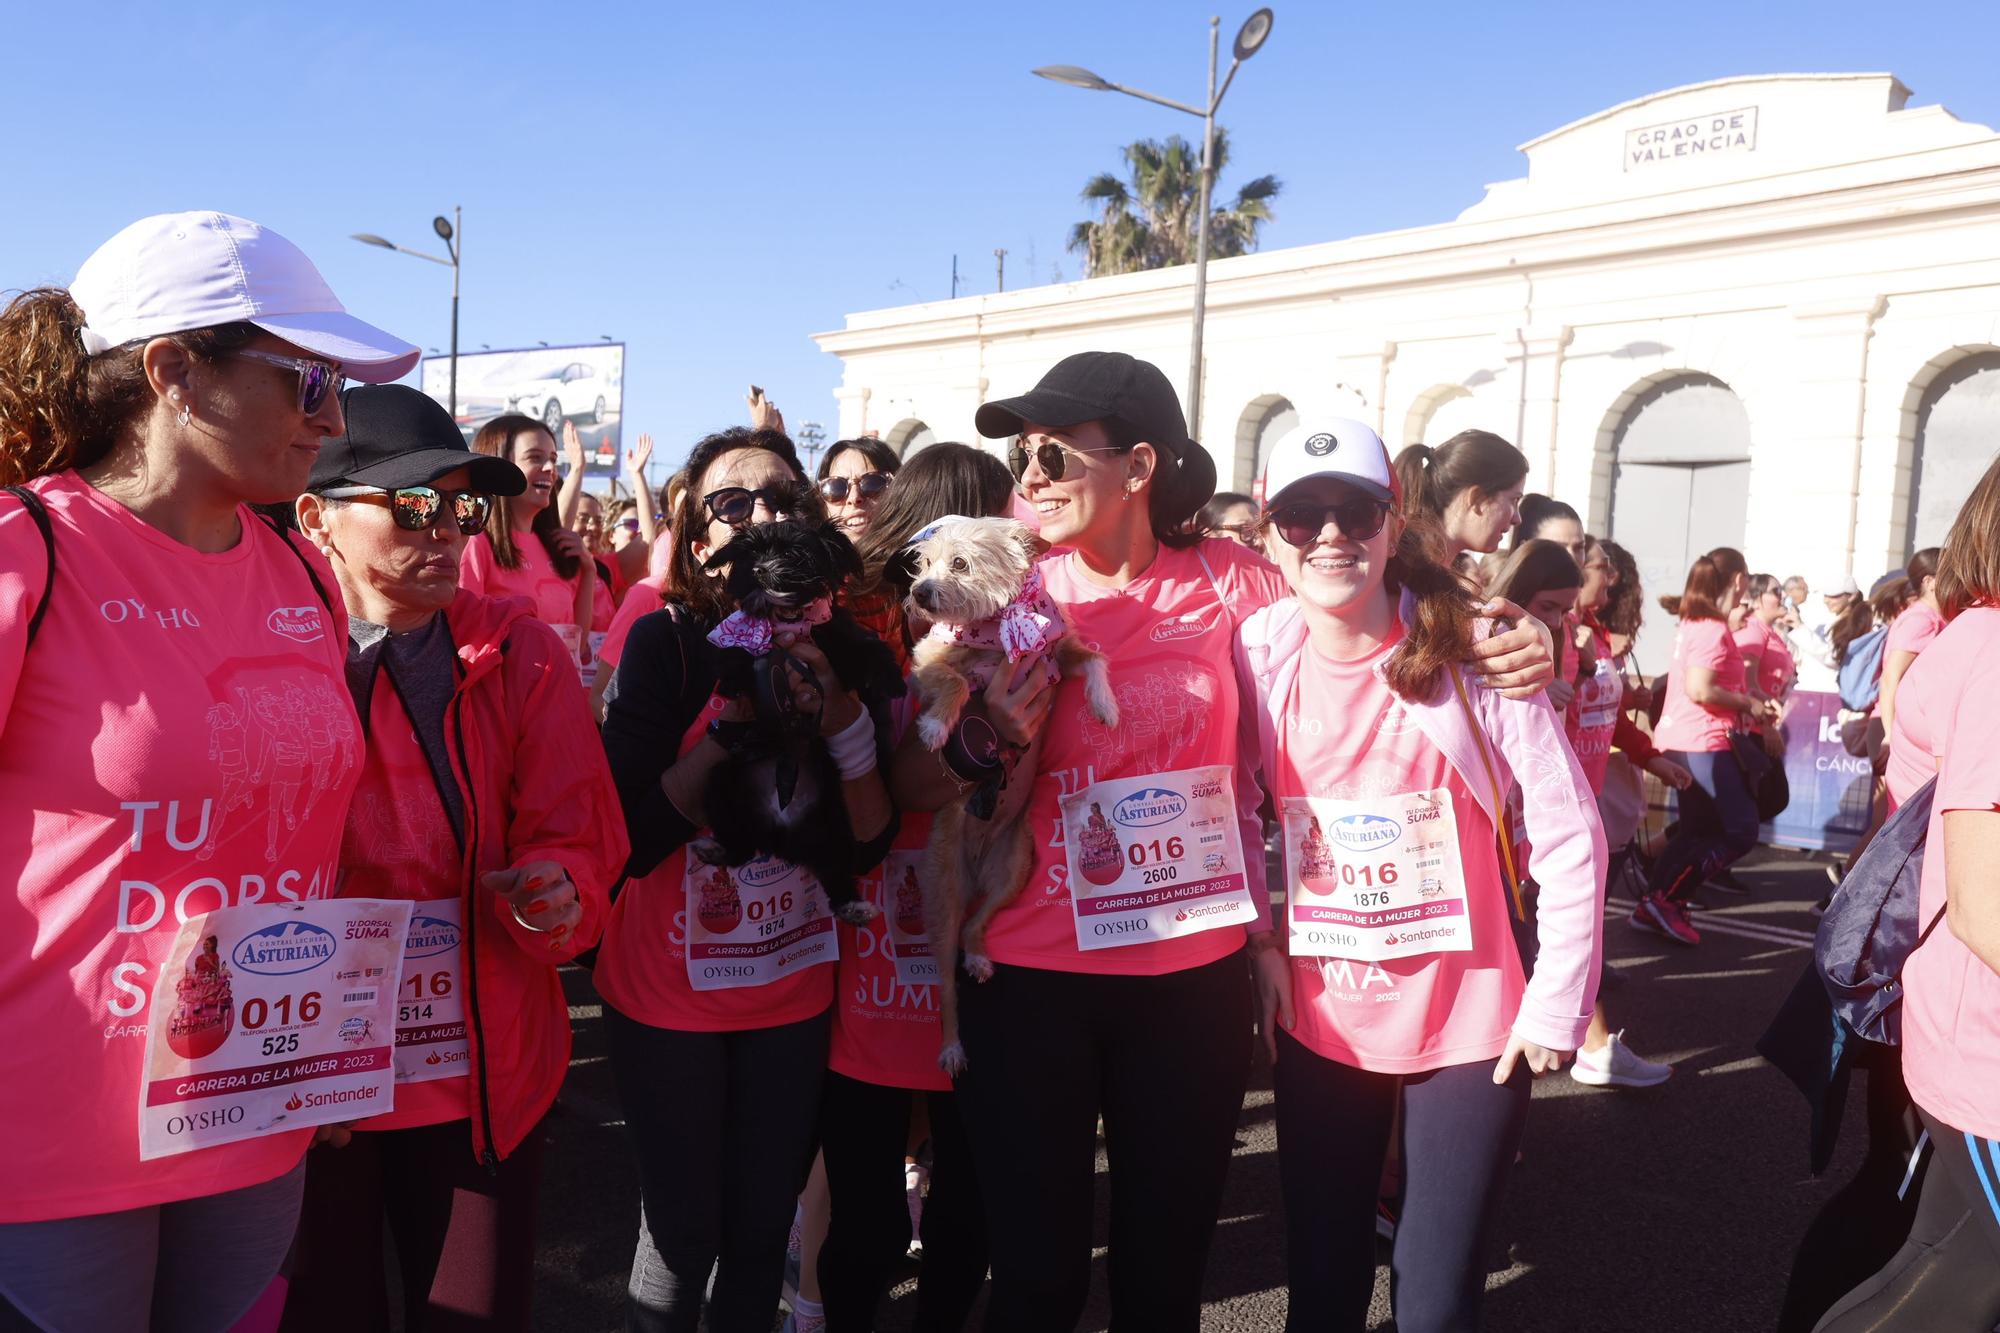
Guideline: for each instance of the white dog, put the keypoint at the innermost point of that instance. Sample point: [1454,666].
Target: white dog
[975,580]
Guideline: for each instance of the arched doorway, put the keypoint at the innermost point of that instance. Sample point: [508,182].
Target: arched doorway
[1263,423]
[1680,485]
[1958,433]
[1442,413]
[909,435]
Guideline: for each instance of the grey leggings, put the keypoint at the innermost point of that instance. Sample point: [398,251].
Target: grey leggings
[195,1266]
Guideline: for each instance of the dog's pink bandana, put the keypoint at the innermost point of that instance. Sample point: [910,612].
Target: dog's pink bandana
[1031,623]
[754,634]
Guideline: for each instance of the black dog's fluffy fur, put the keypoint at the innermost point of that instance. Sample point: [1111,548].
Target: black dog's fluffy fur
[779,793]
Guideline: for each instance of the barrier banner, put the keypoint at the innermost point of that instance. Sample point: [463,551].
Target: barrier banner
[1830,787]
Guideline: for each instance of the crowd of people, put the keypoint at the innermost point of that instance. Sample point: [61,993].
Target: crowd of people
[253,588]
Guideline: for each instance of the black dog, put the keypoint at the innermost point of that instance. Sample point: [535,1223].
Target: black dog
[779,792]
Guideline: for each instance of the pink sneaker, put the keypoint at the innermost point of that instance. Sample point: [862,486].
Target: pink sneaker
[1663,916]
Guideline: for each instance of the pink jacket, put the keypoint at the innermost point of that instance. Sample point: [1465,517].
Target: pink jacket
[1528,749]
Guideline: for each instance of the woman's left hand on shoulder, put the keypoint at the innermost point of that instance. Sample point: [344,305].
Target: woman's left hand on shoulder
[1520,662]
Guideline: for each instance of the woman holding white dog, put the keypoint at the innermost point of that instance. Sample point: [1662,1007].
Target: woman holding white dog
[1390,765]
[1117,988]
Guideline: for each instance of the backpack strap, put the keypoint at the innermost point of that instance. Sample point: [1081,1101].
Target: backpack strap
[40,514]
[285,536]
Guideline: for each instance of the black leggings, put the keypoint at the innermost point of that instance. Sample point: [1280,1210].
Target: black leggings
[1718,823]
[1947,1275]
[1460,1131]
[864,1129]
[464,1237]
[722,1123]
[1164,1059]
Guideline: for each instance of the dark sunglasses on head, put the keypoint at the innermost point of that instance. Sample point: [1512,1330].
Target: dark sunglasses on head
[1052,457]
[869,486]
[735,504]
[418,508]
[1358,518]
[317,379]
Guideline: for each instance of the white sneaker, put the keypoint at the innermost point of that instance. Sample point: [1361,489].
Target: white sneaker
[1617,1066]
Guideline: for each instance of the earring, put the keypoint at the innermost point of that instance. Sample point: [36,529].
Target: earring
[186,415]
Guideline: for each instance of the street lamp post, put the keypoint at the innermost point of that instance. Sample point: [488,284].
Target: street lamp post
[1249,38]
[448,230]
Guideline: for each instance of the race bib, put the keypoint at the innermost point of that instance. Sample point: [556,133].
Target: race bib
[1155,857]
[573,639]
[903,907]
[1374,879]
[430,1008]
[754,924]
[272,1017]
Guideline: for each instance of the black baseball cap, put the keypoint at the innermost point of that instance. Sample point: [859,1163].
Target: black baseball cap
[398,436]
[1096,386]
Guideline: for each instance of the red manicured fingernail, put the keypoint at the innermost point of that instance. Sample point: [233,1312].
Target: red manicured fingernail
[534,881]
[538,905]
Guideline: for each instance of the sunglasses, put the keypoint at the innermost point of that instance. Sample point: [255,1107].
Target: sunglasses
[1053,458]
[868,486]
[629,524]
[418,508]
[735,504]
[1358,518]
[317,379]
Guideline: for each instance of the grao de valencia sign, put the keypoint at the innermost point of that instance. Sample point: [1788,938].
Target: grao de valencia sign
[1709,135]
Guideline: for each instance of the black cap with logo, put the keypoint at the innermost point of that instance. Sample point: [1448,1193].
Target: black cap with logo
[398,436]
[1096,386]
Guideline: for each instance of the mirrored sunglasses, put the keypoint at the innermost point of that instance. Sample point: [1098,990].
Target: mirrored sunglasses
[418,508]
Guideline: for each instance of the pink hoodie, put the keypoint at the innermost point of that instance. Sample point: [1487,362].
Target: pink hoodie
[1524,737]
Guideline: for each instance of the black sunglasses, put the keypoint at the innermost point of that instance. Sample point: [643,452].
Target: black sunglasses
[418,508]
[869,486]
[1053,458]
[1358,518]
[735,504]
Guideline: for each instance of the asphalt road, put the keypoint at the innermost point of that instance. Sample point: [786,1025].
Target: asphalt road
[1672,1209]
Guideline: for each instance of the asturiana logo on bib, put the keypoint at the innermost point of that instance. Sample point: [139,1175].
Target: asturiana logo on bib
[1152,805]
[1365,833]
[280,950]
[768,871]
[430,936]
[304,624]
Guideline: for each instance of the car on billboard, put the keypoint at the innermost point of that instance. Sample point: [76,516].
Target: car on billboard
[572,391]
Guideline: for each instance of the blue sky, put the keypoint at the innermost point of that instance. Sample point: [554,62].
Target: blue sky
[712,184]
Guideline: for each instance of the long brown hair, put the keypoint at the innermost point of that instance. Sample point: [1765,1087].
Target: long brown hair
[1439,637]
[1968,572]
[1627,607]
[61,407]
[1476,460]
[1707,586]
[687,583]
[497,437]
[948,478]
[1535,566]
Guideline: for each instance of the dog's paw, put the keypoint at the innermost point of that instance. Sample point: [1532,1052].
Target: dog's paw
[1105,710]
[933,731]
[858,913]
[979,967]
[707,851]
[952,1058]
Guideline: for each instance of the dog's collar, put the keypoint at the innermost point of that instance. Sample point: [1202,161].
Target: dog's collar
[1030,623]
[755,634]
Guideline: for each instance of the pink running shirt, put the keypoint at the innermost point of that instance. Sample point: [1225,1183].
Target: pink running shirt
[1168,636]
[1684,724]
[553,595]
[886,1032]
[1775,669]
[178,738]
[1353,740]
[1913,630]
[1951,999]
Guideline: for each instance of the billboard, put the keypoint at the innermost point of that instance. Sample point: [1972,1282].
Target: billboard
[583,385]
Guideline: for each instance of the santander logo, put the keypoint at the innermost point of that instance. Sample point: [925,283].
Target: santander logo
[301,624]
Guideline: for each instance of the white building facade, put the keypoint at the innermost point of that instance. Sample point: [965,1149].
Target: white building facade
[1760,312]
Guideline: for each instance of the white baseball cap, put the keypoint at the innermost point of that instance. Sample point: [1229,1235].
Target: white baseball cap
[173,272]
[1336,447]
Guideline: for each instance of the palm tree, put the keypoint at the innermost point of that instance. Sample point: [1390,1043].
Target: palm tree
[1151,221]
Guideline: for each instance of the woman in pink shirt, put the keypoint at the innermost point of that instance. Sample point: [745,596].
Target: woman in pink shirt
[1909,634]
[1947,1274]
[1119,985]
[526,551]
[1400,974]
[1470,486]
[1767,658]
[1707,695]
[171,684]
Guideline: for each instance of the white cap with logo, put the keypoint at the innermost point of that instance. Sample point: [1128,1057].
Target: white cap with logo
[1336,447]
[179,271]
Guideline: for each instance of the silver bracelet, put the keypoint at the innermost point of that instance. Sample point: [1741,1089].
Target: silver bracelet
[527,924]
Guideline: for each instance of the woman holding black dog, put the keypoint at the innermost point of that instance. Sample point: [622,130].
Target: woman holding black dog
[718,982]
[1134,1014]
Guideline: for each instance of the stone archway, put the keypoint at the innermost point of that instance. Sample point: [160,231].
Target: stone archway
[1680,484]
[1264,421]
[1440,413]
[909,435]
[1957,412]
